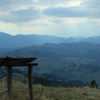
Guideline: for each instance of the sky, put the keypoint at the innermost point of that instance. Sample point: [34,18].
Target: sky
[62,18]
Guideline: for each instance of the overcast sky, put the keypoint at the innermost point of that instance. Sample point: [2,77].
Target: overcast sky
[63,18]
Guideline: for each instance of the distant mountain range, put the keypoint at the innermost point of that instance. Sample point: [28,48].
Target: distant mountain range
[10,41]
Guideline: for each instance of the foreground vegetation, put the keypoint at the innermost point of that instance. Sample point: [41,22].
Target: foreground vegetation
[20,92]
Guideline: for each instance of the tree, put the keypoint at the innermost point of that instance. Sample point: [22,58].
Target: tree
[94,84]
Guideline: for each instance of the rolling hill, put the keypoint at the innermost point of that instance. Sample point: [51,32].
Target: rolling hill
[73,61]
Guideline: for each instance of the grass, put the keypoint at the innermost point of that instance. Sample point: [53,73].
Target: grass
[20,92]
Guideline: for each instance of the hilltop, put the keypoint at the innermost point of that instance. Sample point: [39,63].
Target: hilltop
[20,92]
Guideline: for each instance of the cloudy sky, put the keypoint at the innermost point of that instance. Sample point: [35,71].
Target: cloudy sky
[63,18]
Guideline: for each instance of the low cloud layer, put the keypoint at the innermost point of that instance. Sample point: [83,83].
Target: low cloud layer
[23,15]
[72,12]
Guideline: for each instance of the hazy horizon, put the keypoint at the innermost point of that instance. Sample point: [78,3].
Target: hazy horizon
[50,35]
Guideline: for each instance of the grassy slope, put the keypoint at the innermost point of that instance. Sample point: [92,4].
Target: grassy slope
[20,92]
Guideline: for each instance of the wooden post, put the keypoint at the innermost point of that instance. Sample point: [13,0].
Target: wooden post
[30,82]
[9,79]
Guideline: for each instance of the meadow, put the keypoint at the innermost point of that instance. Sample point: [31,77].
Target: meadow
[20,92]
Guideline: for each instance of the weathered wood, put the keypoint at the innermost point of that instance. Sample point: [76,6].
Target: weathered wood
[30,82]
[23,65]
[9,79]
[15,61]
[18,61]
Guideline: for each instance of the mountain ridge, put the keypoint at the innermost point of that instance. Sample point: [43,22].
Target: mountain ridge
[9,41]
[18,41]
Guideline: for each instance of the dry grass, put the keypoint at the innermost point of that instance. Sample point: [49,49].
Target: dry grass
[20,92]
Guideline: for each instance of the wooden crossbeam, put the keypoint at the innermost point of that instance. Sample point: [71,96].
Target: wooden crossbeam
[23,65]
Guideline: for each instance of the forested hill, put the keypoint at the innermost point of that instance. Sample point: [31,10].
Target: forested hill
[83,53]
[75,61]
[43,79]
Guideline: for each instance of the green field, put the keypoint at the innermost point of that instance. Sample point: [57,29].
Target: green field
[20,92]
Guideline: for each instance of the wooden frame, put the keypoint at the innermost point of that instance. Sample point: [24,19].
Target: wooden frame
[10,61]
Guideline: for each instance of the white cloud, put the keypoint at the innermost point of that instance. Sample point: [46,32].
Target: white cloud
[9,28]
[74,3]
[51,2]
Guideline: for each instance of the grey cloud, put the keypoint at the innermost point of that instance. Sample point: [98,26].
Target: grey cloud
[6,5]
[24,15]
[71,12]
[91,3]
[26,12]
